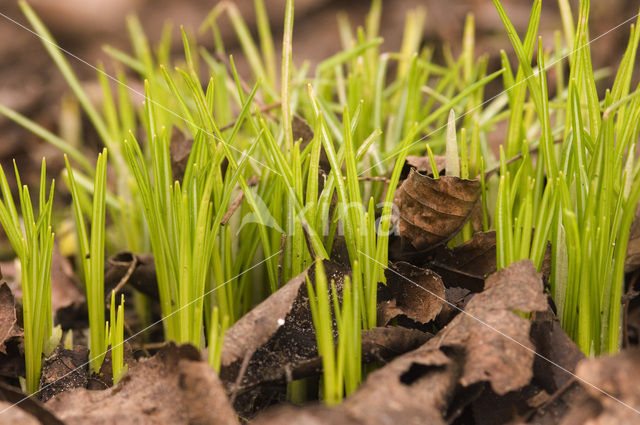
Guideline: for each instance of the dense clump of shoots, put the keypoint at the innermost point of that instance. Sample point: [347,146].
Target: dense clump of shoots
[32,241]
[91,256]
[341,365]
[591,191]
[116,338]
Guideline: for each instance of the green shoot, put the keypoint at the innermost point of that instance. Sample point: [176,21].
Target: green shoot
[341,366]
[116,334]
[33,245]
[91,251]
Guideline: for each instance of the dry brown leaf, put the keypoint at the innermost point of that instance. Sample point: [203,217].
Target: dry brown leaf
[496,338]
[19,401]
[614,380]
[422,164]
[15,415]
[8,322]
[468,264]
[419,387]
[173,387]
[432,211]
[417,293]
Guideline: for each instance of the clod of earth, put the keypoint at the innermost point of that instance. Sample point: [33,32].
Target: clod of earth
[432,211]
[64,370]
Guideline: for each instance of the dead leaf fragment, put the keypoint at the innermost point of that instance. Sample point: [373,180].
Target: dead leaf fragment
[614,385]
[31,405]
[468,264]
[432,211]
[429,383]
[417,293]
[422,164]
[496,339]
[8,321]
[170,388]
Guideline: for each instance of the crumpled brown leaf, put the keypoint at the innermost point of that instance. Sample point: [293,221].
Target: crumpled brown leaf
[422,164]
[420,298]
[172,387]
[18,401]
[8,321]
[431,210]
[614,384]
[496,338]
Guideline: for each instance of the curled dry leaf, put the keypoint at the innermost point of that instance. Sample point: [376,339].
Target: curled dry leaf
[557,348]
[8,321]
[422,164]
[432,211]
[172,387]
[416,293]
[15,415]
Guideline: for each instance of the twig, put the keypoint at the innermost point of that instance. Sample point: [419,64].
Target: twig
[232,209]
[132,266]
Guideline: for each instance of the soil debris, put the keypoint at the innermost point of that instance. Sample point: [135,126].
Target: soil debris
[64,370]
